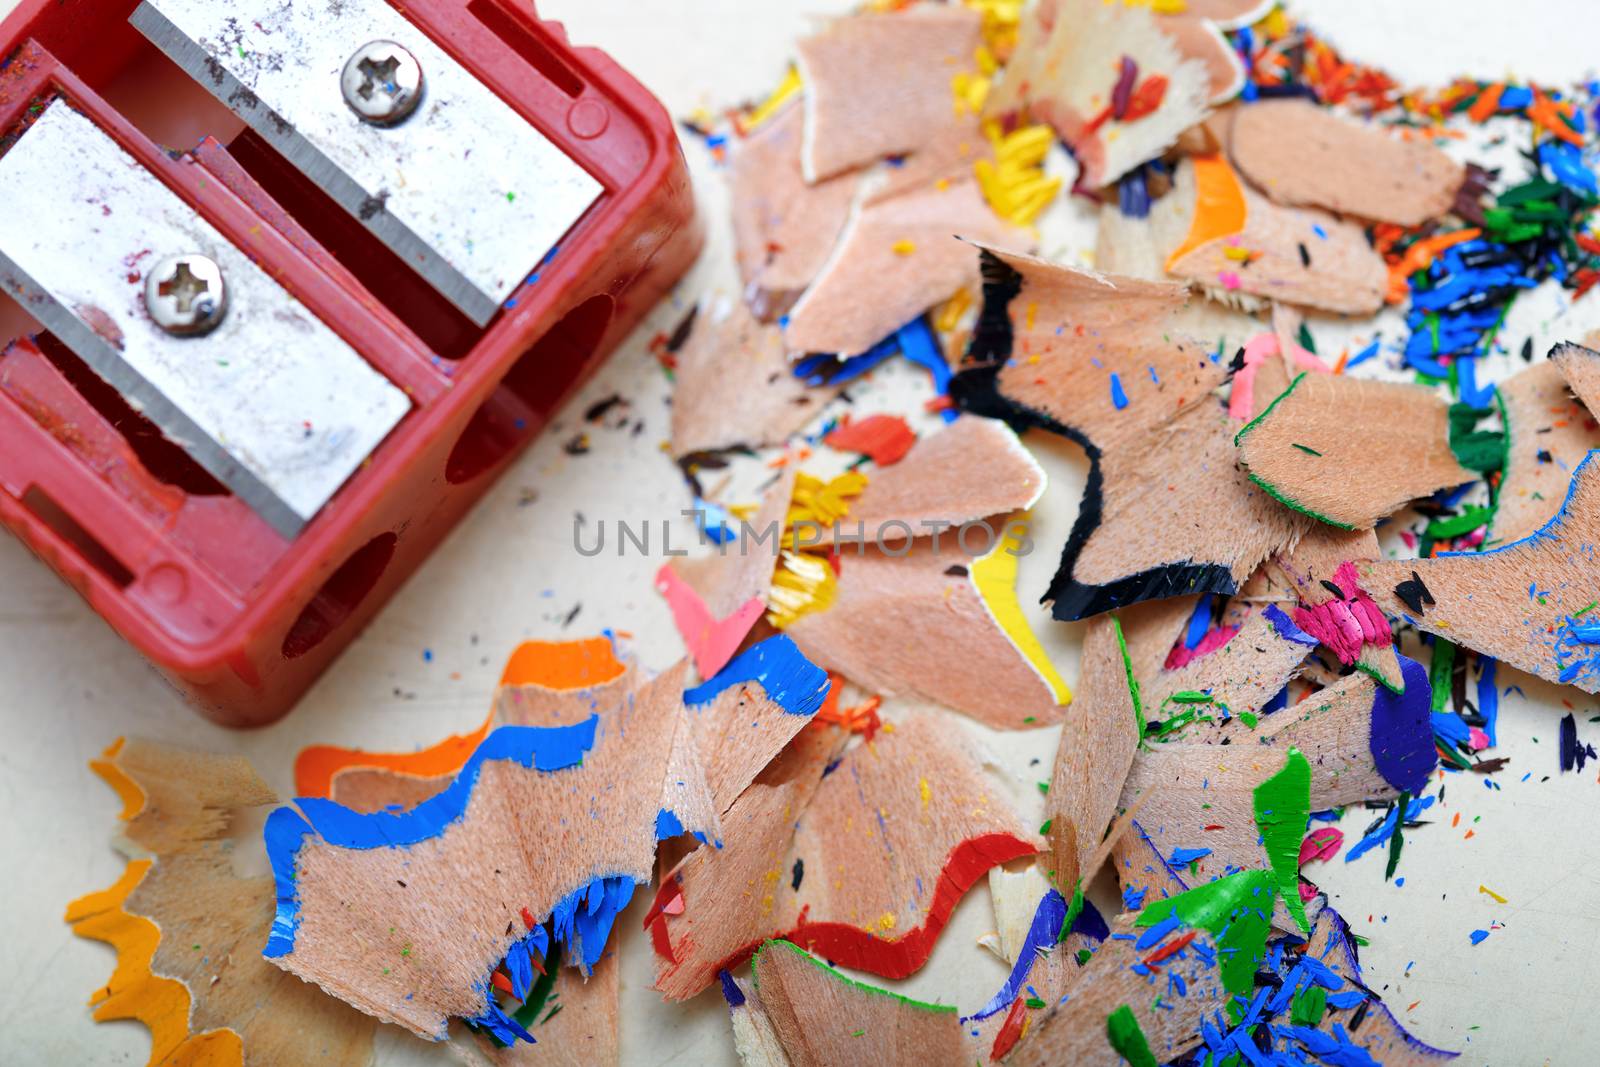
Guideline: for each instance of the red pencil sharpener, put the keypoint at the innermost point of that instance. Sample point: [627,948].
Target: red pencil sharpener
[284,285]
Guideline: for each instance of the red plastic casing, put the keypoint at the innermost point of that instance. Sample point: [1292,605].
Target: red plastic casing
[240,619]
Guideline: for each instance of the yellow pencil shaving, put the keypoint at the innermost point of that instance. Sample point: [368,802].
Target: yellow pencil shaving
[1014,183]
[1238,255]
[1001,20]
[1498,898]
[1038,185]
[802,583]
[971,90]
[995,578]
[822,502]
[948,317]
[1027,145]
[789,87]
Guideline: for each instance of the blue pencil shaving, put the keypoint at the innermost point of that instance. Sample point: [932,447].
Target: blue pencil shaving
[503,1027]
[1577,648]
[790,680]
[1119,398]
[1285,627]
[1488,698]
[1451,727]
[1362,356]
[1158,933]
[1334,1049]
[1199,622]
[1182,857]
[1386,829]
[1515,98]
[714,522]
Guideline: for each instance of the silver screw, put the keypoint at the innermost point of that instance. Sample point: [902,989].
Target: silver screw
[382,83]
[186,295]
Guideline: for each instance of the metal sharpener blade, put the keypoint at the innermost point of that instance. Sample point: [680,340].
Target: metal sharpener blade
[271,402]
[464,189]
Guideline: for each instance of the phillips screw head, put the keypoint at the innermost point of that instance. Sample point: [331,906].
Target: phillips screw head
[382,83]
[186,295]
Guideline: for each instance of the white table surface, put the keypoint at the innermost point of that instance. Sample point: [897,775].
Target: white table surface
[68,685]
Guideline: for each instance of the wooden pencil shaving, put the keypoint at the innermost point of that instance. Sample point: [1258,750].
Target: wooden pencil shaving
[1222,235]
[451,846]
[1524,603]
[962,657]
[896,258]
[735,386]
[1547,435]
[971,470]
[783,226]
[1109,79]
[1302,451]
[1303,155]
[189,932]
[824,883]
[880,84]
[1330,484]
[821,1017]
[1096,358]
